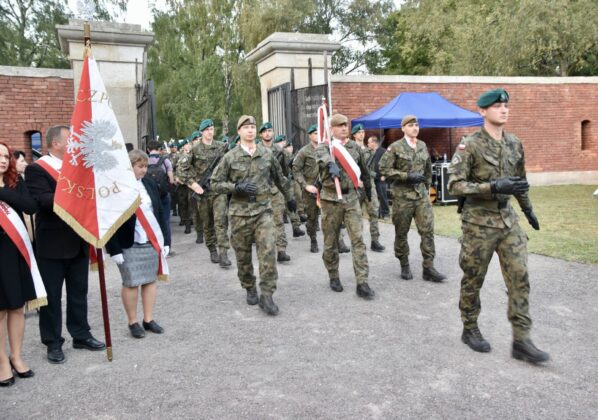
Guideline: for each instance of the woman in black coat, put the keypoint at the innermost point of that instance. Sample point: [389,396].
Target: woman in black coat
[16,283]
[135,256]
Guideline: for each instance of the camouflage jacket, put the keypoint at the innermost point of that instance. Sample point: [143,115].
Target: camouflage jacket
[478,160]
[191,167]
[305,168]
[400,159]
[261,168]
[349,192]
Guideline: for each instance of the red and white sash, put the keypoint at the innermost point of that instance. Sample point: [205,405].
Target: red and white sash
[17,232]
[152,229]
[52,167]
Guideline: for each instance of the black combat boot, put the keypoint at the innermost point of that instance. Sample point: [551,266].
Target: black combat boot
[181,222]
[224,261]
[342,248]
[431,274]
[303,218]
[214,256]
[283,256]
[267,305]
[187,228]
[377,246]
[285,218]
[475,340]
[406,272]
[199,239]
[335,284]
[314,246]
[364,291]
[297,232]
[252,297]
[526,350]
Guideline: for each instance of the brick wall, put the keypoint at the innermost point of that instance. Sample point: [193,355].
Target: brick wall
[547,117]
[32,104]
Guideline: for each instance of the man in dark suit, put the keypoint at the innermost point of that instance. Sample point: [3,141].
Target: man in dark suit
[62,256]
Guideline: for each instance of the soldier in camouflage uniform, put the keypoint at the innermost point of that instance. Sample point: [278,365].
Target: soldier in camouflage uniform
[305,171]
[192,140]
[285,158]
[371,207]
[193,168]
[290,156]
[181,190]
[247,172]
[408,167]
[487,170]
[335,211]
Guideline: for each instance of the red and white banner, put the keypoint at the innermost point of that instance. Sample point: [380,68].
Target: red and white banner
[154,234]
[344,158]
[96,191]
[14,227]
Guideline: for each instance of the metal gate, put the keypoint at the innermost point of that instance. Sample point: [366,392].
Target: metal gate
[280,109]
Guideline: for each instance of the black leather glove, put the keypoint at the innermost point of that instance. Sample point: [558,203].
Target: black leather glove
[367,186]
[415,177]
[292,206]
[509,185]
[334,170]
[246,188]
[531,218]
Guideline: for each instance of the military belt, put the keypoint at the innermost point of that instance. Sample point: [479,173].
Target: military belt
[487,204]
[251,198]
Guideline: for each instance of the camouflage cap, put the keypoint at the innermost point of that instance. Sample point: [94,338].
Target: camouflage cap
[492,96]
[356,128]
[312,128]
[245,120]
[265,126]
[279,138]
[407,119]
[207,123]
[338,119]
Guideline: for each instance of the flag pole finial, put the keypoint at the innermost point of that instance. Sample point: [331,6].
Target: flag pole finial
[87,39]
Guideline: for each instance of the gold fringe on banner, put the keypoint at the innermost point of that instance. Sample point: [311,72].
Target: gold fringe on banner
[36,303]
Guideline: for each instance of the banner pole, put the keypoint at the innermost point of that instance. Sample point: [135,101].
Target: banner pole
[104,297]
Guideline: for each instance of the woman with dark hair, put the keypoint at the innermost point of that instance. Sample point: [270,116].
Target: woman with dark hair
[19,276]
[20,162]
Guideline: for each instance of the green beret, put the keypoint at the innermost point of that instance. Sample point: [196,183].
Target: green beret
[233,142]
[206,124]
[194,135]
[279,138]
[265,126]
[492,96]
[357,128]
[312,128]
[181,143]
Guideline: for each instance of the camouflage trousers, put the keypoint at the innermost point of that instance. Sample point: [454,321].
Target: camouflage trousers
[221,220]
[312,211]
[194,211]
[182,198]
[371,208]
[403,212]
[293,216]
[478,244]
[299,197]
[333,215]
[278,209]
[206,214]
[245,230]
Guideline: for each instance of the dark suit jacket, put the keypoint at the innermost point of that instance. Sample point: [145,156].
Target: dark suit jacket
[124,237]
[54,239]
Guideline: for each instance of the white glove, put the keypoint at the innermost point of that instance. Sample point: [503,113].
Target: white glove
[118,259]
[166,250]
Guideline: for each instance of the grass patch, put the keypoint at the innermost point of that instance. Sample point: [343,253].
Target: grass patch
[568,216]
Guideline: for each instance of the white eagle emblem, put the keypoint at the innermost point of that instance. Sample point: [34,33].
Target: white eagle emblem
[94,145]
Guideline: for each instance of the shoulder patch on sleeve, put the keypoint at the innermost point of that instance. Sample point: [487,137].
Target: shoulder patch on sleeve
[456,159]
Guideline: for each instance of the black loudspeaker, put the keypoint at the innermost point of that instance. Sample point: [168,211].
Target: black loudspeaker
[442,194]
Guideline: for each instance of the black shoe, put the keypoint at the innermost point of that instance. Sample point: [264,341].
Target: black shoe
[181,223]
[431,274]
[314,246]
[175,213]
[153,327]
[475,340]
[7,382]
[267,305]
[252,297]
[199,239]
[364,291]
[342,248]
[214,257]
[377,246]
[285,219]
[297,232]
[224,261]
[136,330]
[88,344]
[283,256]
[526,350]
[23,375]
[335,284]
[303,218]
[56,356]
[187,228]
[406,272]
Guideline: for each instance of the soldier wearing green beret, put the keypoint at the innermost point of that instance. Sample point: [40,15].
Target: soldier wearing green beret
[408,167]
[488,169]
[286,162]
[183,193]
[247,172]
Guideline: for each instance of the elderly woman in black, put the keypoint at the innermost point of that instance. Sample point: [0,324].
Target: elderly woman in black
[137,260]
[16,282]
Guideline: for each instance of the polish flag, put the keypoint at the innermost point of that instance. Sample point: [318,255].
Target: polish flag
[344,158]
[96,190]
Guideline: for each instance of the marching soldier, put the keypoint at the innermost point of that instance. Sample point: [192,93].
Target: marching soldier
[285,158]
[182,195]
[487,170]
[407,166]
[194,208]
[371,207]
[335,211]
[247,172]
